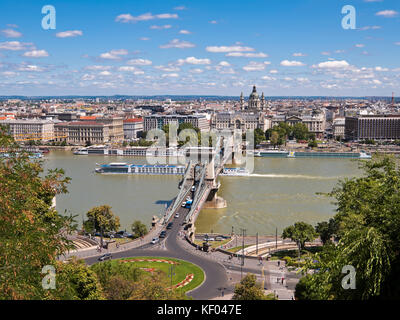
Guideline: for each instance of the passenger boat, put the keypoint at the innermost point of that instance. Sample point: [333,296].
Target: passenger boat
[125,168]
[239,172]
[311,154]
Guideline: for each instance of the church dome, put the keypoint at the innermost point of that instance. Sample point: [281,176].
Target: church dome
[254,94]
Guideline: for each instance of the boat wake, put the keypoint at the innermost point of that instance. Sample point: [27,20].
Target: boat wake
[292,176]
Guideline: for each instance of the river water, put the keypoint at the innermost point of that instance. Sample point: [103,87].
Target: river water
[280,192]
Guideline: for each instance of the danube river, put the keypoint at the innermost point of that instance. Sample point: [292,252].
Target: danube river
[278,193]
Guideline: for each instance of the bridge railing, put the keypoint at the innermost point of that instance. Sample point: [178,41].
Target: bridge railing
[199,193]
[181,195]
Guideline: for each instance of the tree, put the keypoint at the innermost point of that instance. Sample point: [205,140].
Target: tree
[249,289]
[259,136]
[300,233]
[327,230]
[76,281]
[139,229]
[275,140]
[32,233]
[102,220]
[313,144]
[300,131]
[368,218]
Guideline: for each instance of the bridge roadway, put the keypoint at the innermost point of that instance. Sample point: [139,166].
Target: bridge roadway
[215,273]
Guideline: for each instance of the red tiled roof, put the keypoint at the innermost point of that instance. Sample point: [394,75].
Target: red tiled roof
[85,123]
[133,120]
[87,118]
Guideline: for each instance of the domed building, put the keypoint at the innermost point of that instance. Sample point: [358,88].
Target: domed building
[250,116]
[254,103]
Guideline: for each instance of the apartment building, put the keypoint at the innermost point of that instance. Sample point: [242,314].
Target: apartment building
[158,121]
[31,129]
[376,127]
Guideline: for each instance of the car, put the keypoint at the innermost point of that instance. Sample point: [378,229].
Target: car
[163,234]
[119,236]
[177,215]
[106,256]
[219,238]
[193,189]
[155,240]
[169,226]
[183,204]
[188,199]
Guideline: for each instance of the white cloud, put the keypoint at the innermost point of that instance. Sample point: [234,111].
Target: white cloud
[380,69]
[69,34]
[168,68]
[287,63]
[139,62]
[114,54]
[36,54]
[224,49]
[126,18]
[144,39]
[97,67]
[185,32]
[247,55]
[14,45]
[105,73]
[10,33]
[376,81]
[360,45]
[176,43]
[325,53]
[127,68]
[273,71]
[213,22]
[30,68]
[397,43]
[193,60]
[180,8]
[370,28]
[333,64]
[196,70]
[167,26]
[387,13]
[256,66]
[299,54]
[224,64]
[170,75]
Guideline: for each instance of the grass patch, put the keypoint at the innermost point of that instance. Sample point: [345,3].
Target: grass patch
[236,249]
[182,269]
[214,244]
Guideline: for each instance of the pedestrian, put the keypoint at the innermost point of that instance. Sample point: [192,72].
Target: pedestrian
[279,263]
[283,280]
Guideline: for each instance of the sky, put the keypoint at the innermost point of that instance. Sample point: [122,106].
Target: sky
[207,47]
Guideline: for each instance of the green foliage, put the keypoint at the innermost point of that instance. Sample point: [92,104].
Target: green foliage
[327,230]
[139,229]
[76,281]
[313,144]
[102,219]
[249,289]
[368,217]
[300,233]
[32,233]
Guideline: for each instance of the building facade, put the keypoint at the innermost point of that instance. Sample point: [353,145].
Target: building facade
[24,130]
[374,127]
[159,121]
[83,132]
[133,128]
[250,116]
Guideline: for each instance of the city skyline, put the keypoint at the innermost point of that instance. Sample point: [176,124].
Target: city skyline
[295,48]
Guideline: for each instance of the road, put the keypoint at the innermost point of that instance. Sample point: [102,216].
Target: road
[215,273]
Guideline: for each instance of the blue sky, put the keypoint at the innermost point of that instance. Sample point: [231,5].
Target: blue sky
[285,47]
